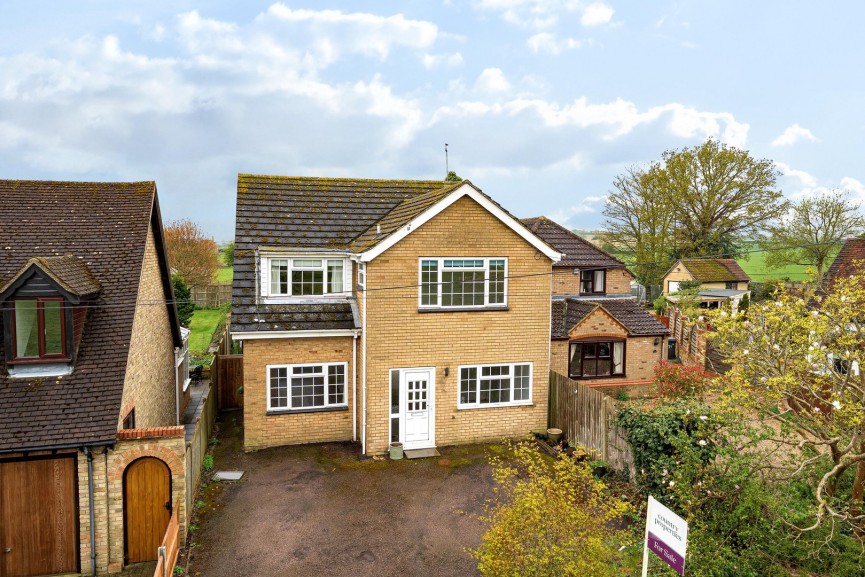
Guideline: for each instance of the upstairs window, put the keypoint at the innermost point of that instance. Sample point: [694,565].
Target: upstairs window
[306,276]
[592,281]
[452,283]
[39,329]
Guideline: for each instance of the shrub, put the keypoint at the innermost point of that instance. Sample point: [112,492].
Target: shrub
[207,462]
[550,518]
[678,381]
[183,299]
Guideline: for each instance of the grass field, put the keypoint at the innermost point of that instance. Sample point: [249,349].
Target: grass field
[224,274]
[202,325]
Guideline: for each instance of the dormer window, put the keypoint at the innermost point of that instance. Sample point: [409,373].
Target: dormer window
[306,276]
[39,329]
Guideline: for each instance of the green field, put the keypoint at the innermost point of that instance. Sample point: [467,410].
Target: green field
[202,325]
[224,274]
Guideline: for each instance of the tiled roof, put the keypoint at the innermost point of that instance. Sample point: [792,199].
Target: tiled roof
[68,271]
[566,313]
[850,260]
[714,269]
[577,251]
[104,226]
[337,214]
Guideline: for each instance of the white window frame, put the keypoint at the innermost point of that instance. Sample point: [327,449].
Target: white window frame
[512,372]
[361,275]
[439,284]
[324,372]
[265,276]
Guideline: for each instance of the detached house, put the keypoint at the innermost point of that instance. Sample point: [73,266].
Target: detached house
[93,379]
[387,311]
[721,280]
[599,333]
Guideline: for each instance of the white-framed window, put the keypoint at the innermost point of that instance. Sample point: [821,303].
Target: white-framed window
[305,276]
[361,275]
[307,386]
[495,385]
[462,283]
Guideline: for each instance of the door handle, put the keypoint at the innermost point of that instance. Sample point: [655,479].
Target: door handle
[168,506]
[7,550]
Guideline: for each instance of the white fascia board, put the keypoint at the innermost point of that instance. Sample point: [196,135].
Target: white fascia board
[294,334]
[271,251]
[434,210]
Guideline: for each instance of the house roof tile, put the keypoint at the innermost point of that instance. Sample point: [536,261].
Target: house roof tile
[577,251]
[714,269]
[850,260]
[568,312]
[104,227]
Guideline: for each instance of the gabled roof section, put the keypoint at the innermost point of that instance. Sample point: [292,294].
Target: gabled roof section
[68,272]
[576,251]
[421,211]
[104,226]
[850,260]
[569,312]
[713,269]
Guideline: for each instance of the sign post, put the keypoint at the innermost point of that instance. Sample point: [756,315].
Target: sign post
[666,537]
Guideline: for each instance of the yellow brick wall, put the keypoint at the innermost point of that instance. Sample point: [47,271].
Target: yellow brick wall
[398,336]
[566,283]
[641,353]
[263,430]
[150,371]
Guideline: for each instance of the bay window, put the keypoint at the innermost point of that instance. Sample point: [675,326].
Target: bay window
[596,359]
[460,283]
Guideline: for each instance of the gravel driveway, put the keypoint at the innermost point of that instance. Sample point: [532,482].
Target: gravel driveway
[320,510]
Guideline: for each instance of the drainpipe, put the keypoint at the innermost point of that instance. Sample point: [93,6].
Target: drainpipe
[354,394]
[92,508]
[177,385]
[363,370]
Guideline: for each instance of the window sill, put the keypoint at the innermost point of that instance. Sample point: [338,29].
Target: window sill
[495,406]
[38,370]
[464,309]
[275,412]
[591,377]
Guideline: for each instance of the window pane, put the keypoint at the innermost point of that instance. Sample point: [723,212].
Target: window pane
[429,282]
[334,276]
[307,282]
[521,383]
[26,329]
[495,390]
[604,367]
[468,385]
[462,288]
[278,387]
[52,312]
[603,349]
[394,392]
[336,385]
[591,349]
[307,392]
[306,263]
[394,430]
[279,277]
[590,367]
[575,367]
[618,358]
[497,282]
[600,277]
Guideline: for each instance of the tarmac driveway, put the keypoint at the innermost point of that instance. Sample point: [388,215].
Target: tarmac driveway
[320,510]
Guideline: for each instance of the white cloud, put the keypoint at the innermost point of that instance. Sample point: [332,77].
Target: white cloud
[850,184]
[596,14]
[805,179]
[548,43]
[792,135]
[537,14]
[492,80]
[564,215]
[435,60]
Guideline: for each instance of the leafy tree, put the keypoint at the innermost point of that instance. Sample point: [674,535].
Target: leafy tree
[550,519]
[183,300]
[191,254]
[228,254]
[798,362]
[638,222]
[815,227]
[452,177]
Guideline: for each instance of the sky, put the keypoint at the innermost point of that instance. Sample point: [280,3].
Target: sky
[541,102]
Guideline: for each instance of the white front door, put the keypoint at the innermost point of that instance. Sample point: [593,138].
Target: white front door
[418,407]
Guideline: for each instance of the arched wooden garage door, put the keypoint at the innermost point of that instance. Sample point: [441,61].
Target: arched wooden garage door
[147,507]
[38,517]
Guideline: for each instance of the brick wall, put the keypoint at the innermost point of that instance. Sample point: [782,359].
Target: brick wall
[641,353]
[263,430]
[398,336]
[566,283]
[150,372]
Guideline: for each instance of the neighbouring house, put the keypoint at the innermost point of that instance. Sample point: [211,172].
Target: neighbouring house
[387,311]
[93,379]
[600,334]
[721,280]
[850,260]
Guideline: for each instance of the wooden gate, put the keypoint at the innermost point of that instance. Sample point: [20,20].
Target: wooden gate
[38,517]
[229,380]
[147,507]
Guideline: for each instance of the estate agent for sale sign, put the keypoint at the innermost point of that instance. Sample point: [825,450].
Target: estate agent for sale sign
[666,537]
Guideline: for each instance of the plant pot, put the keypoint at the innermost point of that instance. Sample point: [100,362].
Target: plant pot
[554,436]
[395,451]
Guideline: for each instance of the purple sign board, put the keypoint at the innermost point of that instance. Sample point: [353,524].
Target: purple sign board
[666,537]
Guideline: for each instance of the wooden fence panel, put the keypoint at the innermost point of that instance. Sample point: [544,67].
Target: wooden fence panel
[585,416]
[210,296]
[196,448]
[229,379]
[170,547]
